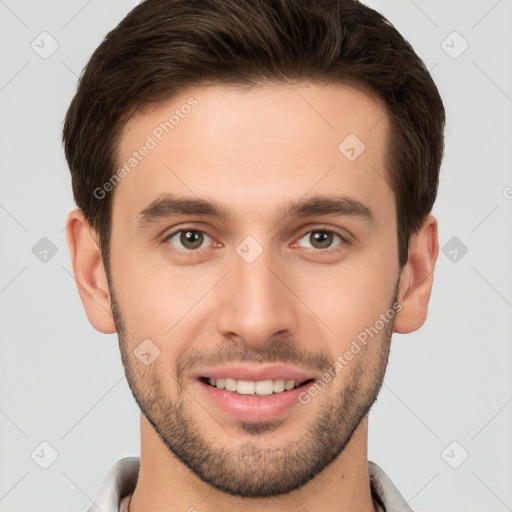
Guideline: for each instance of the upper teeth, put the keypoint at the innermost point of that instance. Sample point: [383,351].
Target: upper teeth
[249,387]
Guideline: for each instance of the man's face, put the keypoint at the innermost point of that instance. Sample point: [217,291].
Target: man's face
[257,295]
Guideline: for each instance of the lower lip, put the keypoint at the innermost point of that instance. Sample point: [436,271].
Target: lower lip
[252,407]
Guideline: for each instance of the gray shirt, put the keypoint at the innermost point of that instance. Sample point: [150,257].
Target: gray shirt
[116,490]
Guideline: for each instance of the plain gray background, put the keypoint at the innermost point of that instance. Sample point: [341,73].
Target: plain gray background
[448,389]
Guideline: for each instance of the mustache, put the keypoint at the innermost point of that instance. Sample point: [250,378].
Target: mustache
[278,351]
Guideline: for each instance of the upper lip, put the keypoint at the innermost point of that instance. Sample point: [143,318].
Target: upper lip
[256,372]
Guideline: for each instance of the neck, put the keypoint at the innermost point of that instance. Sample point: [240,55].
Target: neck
[166,484]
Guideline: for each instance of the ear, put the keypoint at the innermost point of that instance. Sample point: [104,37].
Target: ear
[89,272]
[417,278]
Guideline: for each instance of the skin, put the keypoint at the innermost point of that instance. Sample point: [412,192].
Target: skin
[298,303]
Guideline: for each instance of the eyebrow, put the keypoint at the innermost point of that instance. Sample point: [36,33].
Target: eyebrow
[168,205]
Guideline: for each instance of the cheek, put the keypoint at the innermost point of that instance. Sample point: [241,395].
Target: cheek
[348,299]
[155,299]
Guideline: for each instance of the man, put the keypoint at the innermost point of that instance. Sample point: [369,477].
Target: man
[254,182]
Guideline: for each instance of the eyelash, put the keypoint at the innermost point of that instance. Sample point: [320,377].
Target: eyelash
[344,240]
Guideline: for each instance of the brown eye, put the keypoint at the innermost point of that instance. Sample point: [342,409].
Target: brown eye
[189,239]
[321,238]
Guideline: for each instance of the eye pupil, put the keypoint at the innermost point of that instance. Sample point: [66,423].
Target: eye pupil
[323,238]
[191,237]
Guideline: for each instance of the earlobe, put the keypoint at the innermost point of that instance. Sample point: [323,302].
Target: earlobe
[89,272]
[417,278]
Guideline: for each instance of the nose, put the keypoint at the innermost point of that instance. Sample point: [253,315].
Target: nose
[255,302]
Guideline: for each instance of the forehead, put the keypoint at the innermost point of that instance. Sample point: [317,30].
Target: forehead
[248,147]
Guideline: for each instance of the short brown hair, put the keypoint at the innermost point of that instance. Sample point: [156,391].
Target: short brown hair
[162,46]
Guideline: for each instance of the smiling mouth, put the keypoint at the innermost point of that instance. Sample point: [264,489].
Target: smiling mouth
[256,388]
